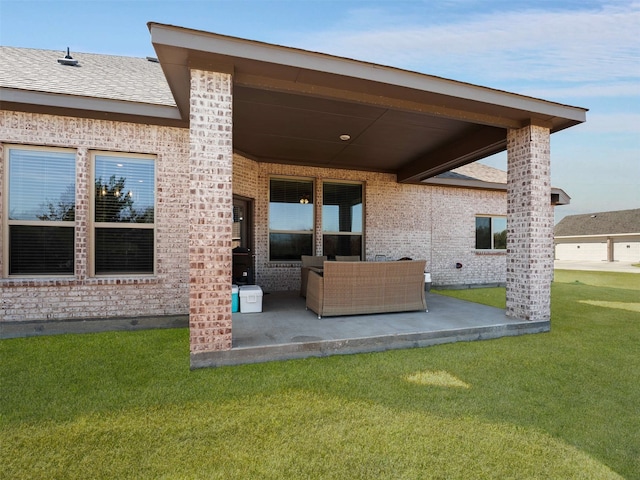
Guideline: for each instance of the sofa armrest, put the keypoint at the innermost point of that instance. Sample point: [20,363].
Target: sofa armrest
[309,261]
[315,292]
[304,275]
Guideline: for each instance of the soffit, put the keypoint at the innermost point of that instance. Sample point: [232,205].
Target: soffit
[291,106]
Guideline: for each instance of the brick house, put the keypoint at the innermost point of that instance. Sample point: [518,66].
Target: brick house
[128,182]
[599,236]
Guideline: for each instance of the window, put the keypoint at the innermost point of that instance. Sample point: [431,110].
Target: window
[40,211]
[341,219]
[123,214]
[491,233]
[291,219]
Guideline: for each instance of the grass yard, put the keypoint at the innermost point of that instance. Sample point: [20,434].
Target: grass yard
[564,405]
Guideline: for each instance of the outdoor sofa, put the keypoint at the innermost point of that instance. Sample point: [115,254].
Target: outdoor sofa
[353,288]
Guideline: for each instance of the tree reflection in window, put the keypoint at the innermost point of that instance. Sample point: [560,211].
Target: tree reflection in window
[491,233]
[124,193]
[114,203]
[64,210]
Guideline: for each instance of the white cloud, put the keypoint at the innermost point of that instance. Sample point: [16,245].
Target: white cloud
[578,46]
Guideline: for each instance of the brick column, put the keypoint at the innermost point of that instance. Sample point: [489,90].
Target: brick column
[529,224]
[210,212]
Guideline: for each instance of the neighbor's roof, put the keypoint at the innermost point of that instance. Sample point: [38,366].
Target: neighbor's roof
[600,223]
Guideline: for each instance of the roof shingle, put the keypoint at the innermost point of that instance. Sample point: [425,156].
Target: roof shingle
[600,223]
[98,76]
[477,171]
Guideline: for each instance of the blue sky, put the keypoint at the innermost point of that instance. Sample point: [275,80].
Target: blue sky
[584,53]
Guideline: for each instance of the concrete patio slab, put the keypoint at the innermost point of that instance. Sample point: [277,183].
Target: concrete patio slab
[286,330]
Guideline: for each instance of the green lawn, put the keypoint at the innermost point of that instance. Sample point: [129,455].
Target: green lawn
[565,404]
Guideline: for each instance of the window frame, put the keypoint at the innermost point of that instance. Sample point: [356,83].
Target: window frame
[93,225]
[338,233]
[7,223]
[491,233]
[312,181]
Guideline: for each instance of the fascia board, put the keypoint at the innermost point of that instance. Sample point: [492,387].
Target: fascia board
[182,38]
[89,104]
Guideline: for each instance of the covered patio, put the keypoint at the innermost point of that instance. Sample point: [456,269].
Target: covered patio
[281,106]
[285,330]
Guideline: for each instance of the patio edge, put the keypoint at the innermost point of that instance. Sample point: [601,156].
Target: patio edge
[300,350]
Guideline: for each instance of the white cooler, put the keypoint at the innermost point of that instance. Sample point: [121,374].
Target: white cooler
[427,282]
[250,299]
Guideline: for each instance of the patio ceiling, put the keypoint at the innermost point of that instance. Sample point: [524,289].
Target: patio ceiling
[292,106]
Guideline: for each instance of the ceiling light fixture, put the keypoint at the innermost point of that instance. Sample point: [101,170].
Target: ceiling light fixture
[344,137]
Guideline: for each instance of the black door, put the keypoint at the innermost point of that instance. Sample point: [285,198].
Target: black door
[242,241]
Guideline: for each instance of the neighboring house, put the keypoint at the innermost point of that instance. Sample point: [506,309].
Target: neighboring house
[127,182]
[601,236]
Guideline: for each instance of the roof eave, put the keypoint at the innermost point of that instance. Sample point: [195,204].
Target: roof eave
[89,107]
[457,182]
[176,48]
[558,196]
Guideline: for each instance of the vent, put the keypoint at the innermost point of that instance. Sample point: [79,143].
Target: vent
[68,60]
[153,60]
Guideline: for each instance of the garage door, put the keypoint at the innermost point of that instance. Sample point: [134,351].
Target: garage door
[626,251]
[582,251]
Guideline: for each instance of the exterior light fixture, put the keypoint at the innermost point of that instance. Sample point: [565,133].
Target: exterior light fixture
[344,137]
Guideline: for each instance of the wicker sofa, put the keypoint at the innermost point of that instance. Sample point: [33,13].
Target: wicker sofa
[352,288]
